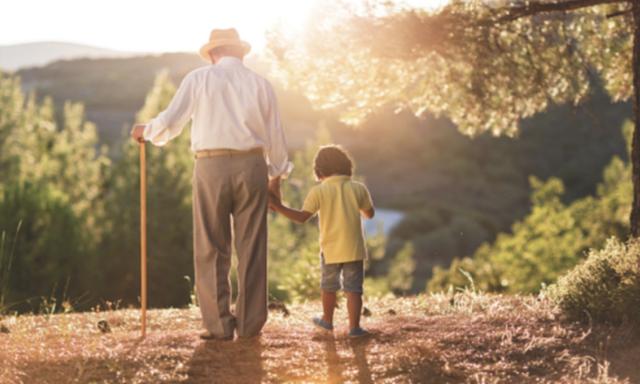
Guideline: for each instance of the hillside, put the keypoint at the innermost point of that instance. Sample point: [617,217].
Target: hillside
[438,339]
[18,56]
[114,89]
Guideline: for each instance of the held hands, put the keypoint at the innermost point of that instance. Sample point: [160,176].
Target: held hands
[274,187]
[275,199]
[274,202]
[137,132]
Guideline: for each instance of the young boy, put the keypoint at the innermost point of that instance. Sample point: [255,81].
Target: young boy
[339,201]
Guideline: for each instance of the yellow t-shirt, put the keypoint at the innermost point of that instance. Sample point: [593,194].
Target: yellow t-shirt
[338,201]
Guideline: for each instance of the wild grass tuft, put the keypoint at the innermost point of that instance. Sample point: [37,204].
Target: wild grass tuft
[6,259]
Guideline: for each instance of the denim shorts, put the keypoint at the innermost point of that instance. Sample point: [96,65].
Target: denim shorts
[352,276]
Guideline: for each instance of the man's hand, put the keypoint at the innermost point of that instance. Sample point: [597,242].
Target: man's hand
[274,202]
[274,187]
[137,132]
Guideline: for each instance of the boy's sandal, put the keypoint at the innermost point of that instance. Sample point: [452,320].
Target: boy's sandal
[318,322]
[358,332]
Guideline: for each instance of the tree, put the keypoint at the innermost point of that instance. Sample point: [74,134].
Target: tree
[485,65]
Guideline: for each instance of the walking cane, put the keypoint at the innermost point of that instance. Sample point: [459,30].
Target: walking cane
[143,240]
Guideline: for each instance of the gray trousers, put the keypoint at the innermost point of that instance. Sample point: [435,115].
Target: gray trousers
[231,191]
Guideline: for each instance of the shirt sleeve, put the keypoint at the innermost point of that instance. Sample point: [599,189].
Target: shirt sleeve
[311,202]
[170,122]
[276,151]
[365,199]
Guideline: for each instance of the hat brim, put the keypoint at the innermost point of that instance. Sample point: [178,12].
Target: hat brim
[204,51]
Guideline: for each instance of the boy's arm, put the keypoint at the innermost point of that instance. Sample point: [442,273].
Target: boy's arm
[290,213]
[366,204]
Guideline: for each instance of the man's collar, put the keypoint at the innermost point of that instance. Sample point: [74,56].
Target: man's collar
[229,60]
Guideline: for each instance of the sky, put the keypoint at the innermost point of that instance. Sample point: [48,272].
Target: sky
[151,26]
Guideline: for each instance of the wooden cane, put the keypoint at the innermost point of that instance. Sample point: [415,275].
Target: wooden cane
[143,239]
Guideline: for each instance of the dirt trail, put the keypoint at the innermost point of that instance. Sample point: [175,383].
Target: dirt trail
[467,338]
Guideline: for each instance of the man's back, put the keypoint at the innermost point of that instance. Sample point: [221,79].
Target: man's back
[232,107]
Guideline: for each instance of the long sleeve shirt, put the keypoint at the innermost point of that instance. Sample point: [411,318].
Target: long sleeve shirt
[232,107]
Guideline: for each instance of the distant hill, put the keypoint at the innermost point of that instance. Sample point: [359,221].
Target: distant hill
[14,57]
[114,89]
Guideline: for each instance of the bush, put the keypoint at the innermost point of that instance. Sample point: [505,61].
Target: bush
[605,287]
[50,255]
[550,240]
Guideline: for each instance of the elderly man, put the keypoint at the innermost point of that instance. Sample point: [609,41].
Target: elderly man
[241,155]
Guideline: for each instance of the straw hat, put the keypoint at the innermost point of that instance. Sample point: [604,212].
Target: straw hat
[222,37]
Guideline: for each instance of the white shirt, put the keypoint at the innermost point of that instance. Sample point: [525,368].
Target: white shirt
[232,107]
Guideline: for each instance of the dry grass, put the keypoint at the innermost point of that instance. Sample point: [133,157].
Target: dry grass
[437,339]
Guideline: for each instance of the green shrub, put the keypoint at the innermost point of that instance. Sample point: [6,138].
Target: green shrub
[50,254]
[550,240]
[605,287]
[401,270]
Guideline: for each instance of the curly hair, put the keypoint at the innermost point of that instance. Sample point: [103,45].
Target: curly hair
[332,160]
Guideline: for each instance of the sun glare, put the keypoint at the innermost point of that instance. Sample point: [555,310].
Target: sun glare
[151,26]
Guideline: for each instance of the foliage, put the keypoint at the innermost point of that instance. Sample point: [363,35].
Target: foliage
[50,183]
[7,252]
[62,156]
[550,240]
[470,61]
[605,287]
[51,252]
[401,271]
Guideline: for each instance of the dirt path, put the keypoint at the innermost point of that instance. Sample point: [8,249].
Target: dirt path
[469,338]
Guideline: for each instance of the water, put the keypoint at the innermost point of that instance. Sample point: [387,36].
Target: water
[385,219]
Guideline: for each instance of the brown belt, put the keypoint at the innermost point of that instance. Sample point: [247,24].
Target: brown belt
[226,152]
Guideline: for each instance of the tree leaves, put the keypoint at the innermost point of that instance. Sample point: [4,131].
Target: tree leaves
[464,62]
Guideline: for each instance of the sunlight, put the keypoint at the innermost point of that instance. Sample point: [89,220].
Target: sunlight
[151,26]
[428,4]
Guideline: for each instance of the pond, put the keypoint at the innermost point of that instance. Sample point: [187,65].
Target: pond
[384,219]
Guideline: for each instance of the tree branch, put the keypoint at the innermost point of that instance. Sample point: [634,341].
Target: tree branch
[536,7]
